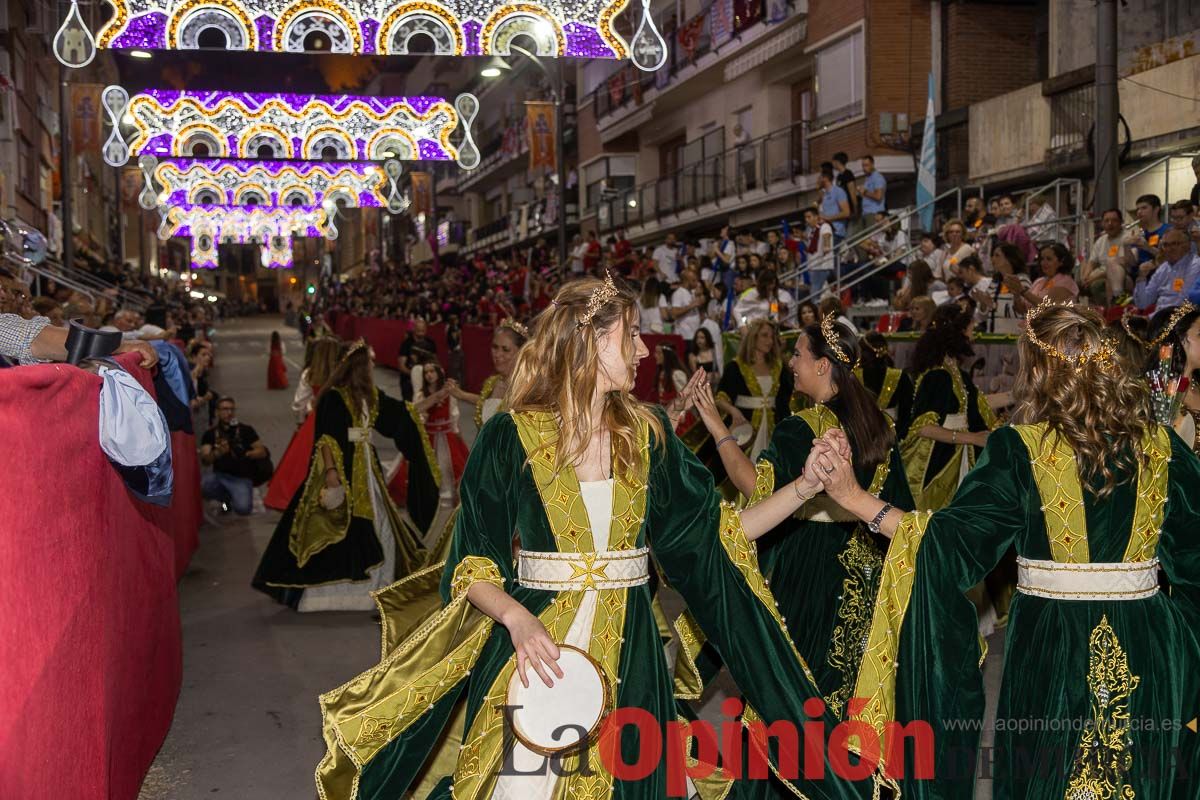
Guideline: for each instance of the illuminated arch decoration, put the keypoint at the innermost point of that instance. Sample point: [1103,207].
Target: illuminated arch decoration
[580,28]
[178,182]
[271,227]
[268,136]
[227,122]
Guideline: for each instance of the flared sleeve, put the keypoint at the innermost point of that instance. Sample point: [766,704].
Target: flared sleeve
[401,423]
[922,660]
[1179,546]
[704,554]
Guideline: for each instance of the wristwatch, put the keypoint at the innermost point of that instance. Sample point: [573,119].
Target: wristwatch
[873,525]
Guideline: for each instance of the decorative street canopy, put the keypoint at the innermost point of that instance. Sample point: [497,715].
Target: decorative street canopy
[214,181]
[270,226]
[580,28]
[247,125]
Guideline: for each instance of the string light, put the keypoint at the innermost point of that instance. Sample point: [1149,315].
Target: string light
[188,181]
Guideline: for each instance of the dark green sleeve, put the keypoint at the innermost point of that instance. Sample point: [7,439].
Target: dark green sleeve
[1179,547]
[713,567]
[895,489]
[904,404]
[935,393]
[790,444]
[395,421]
[732,384]
[783,394]
[487,512]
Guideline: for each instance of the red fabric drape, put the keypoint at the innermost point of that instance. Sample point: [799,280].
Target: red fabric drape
[90,661]
[643,387]
[386,336]
[477,355]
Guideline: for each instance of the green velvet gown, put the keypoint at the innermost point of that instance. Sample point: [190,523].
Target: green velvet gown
[313,546]
[1095,692]
[934,468]
[893,389]
[823,564]
[427,719]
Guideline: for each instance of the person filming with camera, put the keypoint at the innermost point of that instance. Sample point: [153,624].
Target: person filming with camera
[238,460]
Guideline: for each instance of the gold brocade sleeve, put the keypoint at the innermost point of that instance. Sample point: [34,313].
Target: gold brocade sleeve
[985,410]
[916,450]
[764,482]
[315,527]
[362,716]
[430,456]
[877,672]
[689,685]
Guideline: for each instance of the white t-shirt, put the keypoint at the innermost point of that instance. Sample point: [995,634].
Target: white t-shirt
[577,258]
[823,234]
[686,325]
[1108,249]
[667,260]
[652,320]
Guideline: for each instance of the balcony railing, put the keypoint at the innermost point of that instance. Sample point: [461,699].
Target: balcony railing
[1072,114]
[489,229]
[778,157]
[686,45]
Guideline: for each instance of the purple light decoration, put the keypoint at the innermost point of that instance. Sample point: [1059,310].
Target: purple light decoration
[370,30]
[158,145]
[470,30]
[209,100]
[147,32]
[265,26]
[584,41]
[231,143]
[430,150]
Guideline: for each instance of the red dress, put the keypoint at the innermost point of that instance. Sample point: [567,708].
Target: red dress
[449,450]
[276,369]
[292,469]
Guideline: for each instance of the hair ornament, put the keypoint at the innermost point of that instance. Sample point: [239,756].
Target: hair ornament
[1176,315]
[600,296]
[1103,356]
[880,352]
[831,339]
[515,327]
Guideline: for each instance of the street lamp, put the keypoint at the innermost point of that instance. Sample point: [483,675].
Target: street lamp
[496,67]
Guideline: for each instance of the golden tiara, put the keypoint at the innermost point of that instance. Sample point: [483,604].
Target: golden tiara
[515,327]
[600,295]
[1176,315]
[1103,356]
[831,339]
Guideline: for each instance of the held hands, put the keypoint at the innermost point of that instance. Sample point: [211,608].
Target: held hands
[533,644]
[831,461]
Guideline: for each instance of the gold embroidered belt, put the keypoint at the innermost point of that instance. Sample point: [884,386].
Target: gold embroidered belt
[559,572]
[752,403]
[1058,581]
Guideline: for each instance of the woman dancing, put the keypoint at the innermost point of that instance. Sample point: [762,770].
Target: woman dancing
[507,340]
[1096,499]
[341,537]
[439,413]
[293,467]
[595,482]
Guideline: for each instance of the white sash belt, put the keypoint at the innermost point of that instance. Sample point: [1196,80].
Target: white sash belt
[823,508]
[557,572]
[955,422]
[1058,581]
[358,434]
[751,402]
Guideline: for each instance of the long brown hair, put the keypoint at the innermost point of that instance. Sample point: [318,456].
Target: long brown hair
[1100,410]
[325,353]
[556,371]
[749,344]
[868,429]
[353,373]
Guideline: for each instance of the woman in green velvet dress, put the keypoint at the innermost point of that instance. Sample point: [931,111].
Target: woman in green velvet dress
[593,481]
[892,387]
[1100,664]
[823,564]
[950,418]
[341,536]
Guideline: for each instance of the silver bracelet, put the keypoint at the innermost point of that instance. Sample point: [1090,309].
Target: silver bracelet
[724,439]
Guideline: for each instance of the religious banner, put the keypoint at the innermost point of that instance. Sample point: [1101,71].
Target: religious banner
[422,194]
[689,36]
[85,116]
[539,120]
[721,14]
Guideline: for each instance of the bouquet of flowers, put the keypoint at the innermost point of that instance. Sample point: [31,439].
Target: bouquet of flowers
[1166,389]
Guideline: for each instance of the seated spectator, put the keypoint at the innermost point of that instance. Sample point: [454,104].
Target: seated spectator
[1150,228]
[977,286]
[1012,273]
[920,312]
[765,301]
[235,454]
[1167,285]
[806,314]
[918,281]
[1055,282]
[1106,277]
[931,252]
[48,308]
[956,247]
[1183,218]
[133,326]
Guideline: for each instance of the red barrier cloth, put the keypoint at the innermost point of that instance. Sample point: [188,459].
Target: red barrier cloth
[643,387]
[477,355]
[292,470]
[187,505]
[90,658]
[386,335]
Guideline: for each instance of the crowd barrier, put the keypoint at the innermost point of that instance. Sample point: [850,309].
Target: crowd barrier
[385,336]
[90,659]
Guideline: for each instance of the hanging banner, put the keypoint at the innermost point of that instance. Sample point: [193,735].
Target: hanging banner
[539,120]
[422,194]
[85,116]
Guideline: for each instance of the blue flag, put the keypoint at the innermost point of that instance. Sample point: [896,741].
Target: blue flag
[927,169]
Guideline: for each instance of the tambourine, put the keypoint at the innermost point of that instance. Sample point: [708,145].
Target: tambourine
[552,719]
[742,434]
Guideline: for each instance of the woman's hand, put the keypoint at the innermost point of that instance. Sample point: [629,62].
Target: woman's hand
[706,406]
[837,439]
[837,476]
[1013,283]
[533,644]
[332,481]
